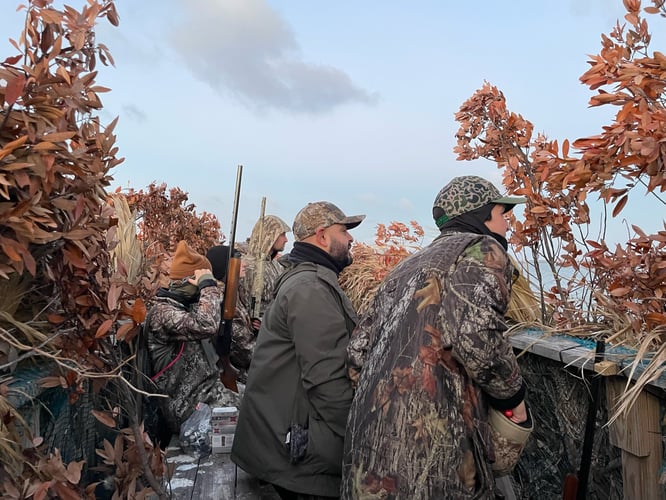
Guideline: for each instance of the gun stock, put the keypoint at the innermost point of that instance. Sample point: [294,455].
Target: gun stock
[229,374]
[570,490]
[231,288]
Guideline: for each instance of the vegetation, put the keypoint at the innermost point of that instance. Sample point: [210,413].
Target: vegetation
[74,275]
[78,263]
[613,293]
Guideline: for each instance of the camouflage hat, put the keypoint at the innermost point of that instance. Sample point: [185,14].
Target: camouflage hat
[321,214]
[466,193]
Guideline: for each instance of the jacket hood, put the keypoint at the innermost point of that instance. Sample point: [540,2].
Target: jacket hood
[262,239]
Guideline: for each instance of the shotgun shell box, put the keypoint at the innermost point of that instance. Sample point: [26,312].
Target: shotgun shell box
[221,443]
[223,427]
[224,417]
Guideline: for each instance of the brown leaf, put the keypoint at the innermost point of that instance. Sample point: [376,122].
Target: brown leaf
[42,490]
[105,418]
[73,473]
[139,311]
[11,146]
[12,60]
[49,382]
[124,329]
[112,297]
[620,205]
[66,492]
[58,136]
[103,328]
[14,89]
[55,319]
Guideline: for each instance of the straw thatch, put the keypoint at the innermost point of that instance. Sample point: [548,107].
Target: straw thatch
[128,251]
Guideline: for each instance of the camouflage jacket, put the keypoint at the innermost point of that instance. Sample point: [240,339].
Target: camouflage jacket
[426,359]
[272,271]
[243,340]
[193,378]
[259,254]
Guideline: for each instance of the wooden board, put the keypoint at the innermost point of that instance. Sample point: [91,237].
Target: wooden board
[578,353]
[213,476]
[638,434]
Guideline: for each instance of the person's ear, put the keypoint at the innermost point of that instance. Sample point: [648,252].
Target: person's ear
[321,237]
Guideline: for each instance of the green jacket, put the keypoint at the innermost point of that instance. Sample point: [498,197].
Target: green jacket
[298,375]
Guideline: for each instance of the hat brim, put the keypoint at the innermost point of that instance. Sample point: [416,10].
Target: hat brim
[510,200]
[353,221]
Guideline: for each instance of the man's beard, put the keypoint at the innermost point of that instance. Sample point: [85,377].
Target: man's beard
[340,254]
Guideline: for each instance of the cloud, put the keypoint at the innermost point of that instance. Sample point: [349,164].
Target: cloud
[134,112]
[243,47]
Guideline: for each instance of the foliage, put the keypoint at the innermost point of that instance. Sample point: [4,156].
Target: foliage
[618,290]
[165,219]
[628,154]
[371,264]
[58,229]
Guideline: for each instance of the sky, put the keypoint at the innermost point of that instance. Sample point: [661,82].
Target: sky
[348,101]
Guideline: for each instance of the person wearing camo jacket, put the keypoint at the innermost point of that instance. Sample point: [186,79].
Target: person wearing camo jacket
[266,242]
[181,324]
[429,357]
[292,418]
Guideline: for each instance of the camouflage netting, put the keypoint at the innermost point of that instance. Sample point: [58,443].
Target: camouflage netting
[68,427]
[559,401]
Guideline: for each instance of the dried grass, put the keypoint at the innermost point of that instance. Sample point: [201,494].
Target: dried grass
[361,279]
[128,252]
[12,426]
[524,306]
[12,291]
[371,264]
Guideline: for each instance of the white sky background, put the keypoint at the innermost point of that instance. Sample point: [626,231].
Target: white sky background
[347,101]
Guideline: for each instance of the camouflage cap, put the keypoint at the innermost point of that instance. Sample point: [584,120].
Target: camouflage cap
[466,193]
[321,214]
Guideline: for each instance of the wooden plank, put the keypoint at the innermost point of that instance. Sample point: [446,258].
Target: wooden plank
[579,353]
[212,476]
[638,434]
[640,476]
[636,430]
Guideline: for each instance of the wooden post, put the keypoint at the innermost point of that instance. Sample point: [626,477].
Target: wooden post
[638,435]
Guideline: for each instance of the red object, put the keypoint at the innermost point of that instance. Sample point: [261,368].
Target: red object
[508,413]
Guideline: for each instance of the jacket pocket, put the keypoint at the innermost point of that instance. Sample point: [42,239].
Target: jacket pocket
[324,452]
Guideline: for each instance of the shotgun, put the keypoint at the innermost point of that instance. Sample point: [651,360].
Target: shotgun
[229,374]
[575,484]
[259,259]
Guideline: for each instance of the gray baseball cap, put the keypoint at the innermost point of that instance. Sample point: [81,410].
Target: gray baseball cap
[321,214]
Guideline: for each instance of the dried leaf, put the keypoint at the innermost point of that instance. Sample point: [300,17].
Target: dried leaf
[103,328]
[124,329]
[14,89]
[104,417]
[50,382]
[620,205]
[113,295]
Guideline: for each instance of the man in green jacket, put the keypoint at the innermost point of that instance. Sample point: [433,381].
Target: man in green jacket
[293,415]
